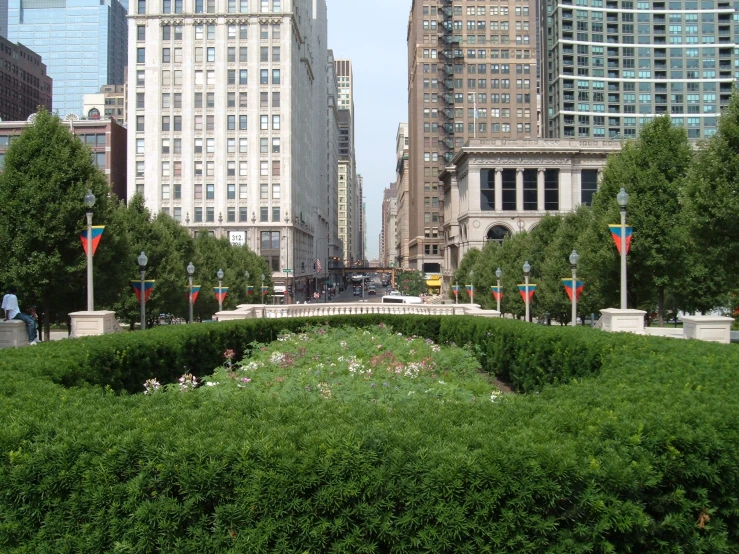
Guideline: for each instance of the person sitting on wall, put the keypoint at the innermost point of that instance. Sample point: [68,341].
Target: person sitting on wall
[12,311]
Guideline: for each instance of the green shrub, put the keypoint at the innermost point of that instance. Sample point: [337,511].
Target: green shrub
[619,444]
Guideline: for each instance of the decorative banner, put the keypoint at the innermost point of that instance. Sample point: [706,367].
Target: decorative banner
[616,234]
[250,290]
[221,293]
[195,292]
[470,289]
[265,290]
[497,292]
[97,234]
[568,287]
[319,268]
[455,288]
[148,287]
[522,290]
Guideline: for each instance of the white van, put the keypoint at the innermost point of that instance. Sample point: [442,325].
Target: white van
[392,299]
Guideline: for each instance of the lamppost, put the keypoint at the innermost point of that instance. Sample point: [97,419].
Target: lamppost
[89,203]
[526,271]
[472,285]
[246,278]
[142,267]
[574,258]
[190,273]
[623,200]
[219,274]
[261,289]
[456,292]
[498,275]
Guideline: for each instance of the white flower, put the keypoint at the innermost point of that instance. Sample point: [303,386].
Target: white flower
[212,384]
[494,395]
[277,358]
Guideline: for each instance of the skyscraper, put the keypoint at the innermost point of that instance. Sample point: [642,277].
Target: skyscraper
[82,42]
[471,74]
[614,65]
[348,184]
[228,112]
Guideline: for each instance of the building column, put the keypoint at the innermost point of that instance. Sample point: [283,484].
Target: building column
[568,183]
[498,189]
[473,189]
[519,189]
[540,189]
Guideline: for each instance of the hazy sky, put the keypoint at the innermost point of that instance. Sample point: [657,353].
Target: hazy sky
[373,36]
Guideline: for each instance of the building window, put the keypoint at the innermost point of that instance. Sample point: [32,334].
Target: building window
[231,215]
[588,185]
[210,192]
[498,233]
[509,190]
[231,192]
[487,190]
[210,215]
[141,55]
[551,190]
[264,214]
[530,193]
[198,215]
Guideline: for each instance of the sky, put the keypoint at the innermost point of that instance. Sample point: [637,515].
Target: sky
[373,36]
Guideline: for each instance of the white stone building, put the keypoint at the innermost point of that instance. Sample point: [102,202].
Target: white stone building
[228,122]
[494,188]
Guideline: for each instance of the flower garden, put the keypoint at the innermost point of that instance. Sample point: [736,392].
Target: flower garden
[370,434]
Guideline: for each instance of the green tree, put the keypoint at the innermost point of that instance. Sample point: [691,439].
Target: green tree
[412,283]
[46,175]
[652,169]
[711,199]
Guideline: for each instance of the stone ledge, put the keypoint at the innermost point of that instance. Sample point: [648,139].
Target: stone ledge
[708,328]
[13,334]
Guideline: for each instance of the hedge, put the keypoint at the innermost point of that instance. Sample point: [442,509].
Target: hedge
[617,444]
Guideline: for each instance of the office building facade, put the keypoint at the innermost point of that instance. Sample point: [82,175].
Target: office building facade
[24,82]
[613,65]
[109,103]
[226,129]
[471,74]
[82,42]
[402,180]
[349,204]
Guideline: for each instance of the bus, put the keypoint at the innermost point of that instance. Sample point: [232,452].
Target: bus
[395,299]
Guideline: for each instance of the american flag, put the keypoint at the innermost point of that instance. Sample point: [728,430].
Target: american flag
[319,269]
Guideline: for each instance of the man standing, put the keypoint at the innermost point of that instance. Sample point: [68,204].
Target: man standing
[12,311]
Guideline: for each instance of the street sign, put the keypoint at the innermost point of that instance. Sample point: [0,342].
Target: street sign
[287,270]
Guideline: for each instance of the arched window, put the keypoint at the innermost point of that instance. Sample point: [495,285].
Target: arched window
[94,113]
[498,233]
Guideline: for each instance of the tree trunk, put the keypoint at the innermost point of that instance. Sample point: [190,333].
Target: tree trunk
[47,321]
[661,306]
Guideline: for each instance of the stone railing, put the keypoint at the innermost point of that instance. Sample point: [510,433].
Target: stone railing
[259,311]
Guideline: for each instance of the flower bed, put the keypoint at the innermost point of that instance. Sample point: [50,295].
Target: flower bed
[349,365]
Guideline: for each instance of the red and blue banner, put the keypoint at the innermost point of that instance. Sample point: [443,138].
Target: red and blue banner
[470,289]
[455,288]
[250,290]
[221,293]
[97,234]
[148,287]
[525,293]
[265,290]
[616,234]
[569,286]
[195,292]
[497,292]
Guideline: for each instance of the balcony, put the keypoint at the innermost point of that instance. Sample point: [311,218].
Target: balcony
[448,69]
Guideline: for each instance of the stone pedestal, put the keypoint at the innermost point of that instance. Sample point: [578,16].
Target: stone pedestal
[13,333]
[622,321]
[708,328]
[90,324]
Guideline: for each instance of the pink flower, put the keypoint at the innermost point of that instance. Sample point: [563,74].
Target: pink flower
[228,354]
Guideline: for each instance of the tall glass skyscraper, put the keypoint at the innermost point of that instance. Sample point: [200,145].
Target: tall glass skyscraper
[613,65]
[84,44]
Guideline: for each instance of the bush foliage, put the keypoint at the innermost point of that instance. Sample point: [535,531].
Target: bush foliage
[616,444]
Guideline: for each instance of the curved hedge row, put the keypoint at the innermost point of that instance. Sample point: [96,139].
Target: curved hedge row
[636,449]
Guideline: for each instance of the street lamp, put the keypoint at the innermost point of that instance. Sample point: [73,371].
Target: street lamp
[623,200]
[261,290]
[142,267]
[190,272]
[472,285]
[219,274]
[89,203]
[526,271]
[574,258]
[456,291]
[498,275]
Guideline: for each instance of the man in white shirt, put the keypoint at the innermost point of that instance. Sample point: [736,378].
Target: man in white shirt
[12,311]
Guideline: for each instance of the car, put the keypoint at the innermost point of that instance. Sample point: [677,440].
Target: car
[372,291]
[357,291]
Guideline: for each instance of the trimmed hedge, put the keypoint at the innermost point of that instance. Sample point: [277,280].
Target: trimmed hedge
[621,444]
